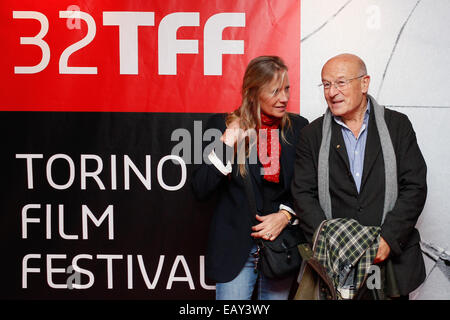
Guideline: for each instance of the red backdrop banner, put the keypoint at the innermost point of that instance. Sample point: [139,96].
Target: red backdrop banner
[93,199]
[140,56]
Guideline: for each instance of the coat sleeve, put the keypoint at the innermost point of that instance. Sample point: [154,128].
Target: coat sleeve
[304,184]
[412,189]
[298,122]
[206,177]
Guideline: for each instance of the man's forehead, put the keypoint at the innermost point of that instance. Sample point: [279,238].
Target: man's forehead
[340,68]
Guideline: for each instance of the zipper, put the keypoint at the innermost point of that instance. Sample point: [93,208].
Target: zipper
[256,256]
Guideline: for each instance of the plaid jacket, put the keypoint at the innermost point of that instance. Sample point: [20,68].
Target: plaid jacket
[346,249]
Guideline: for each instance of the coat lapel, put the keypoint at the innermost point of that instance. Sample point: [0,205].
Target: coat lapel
[287,154]
[338,143]
[255,175]
[255,171]
[373,147]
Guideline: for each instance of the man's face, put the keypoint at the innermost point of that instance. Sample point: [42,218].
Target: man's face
[344,101]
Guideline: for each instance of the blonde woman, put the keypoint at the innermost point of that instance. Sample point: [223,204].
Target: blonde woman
[232,252]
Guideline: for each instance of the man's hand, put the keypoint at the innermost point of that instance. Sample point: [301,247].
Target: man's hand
[383,251]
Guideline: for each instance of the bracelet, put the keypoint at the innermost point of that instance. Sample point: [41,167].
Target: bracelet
[287,214]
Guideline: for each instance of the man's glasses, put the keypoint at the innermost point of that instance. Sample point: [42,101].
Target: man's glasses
[340,84]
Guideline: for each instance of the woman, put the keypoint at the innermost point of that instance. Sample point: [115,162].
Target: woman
[232,252]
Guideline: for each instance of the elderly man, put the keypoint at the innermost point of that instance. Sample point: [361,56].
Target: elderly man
[361,161]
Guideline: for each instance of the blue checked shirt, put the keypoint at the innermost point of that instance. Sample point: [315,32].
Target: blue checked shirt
[355,146]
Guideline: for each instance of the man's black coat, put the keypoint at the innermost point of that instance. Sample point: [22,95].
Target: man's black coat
[366,207]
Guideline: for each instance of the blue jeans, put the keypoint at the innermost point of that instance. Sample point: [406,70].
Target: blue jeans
[241,287]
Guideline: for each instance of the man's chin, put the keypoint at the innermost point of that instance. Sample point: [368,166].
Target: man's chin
[337,109]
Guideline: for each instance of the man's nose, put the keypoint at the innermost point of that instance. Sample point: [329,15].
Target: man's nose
[333,90]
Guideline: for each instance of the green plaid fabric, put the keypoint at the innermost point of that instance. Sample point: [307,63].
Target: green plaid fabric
[344,242]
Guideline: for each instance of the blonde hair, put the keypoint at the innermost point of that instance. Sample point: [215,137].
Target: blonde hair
[259,72]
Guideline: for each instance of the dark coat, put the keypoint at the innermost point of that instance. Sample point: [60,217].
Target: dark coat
[229,237]
[366,207]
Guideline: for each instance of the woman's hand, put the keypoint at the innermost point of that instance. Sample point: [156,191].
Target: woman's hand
[271,226]
[231,134]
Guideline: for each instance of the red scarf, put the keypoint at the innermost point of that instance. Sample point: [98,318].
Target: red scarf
[265,149]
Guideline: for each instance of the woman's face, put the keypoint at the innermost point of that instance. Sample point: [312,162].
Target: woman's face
[274,96]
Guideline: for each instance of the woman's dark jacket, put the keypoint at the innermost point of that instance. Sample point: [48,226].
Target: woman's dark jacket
[229,236]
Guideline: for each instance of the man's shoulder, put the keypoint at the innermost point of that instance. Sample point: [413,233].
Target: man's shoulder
[399,126]
[314,127]
[390,115]
[397,121]
[394,115]
[297,120]
[311,134]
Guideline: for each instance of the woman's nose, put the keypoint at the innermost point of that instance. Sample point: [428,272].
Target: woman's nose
[284,96]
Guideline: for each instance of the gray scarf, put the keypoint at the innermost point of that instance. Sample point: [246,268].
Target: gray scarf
[390,164]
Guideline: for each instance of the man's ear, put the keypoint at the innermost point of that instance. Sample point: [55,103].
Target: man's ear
[365,84]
